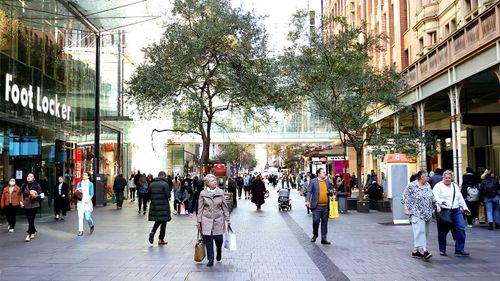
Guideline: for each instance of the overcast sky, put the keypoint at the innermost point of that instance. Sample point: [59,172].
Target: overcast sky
[279,13]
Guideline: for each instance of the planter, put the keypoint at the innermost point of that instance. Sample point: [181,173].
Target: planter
[373,204]
[363,206]
[352,204]
[384,205]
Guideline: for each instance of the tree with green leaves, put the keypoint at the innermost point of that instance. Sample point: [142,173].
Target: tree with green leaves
[212,58]
[335,73]
[238,155]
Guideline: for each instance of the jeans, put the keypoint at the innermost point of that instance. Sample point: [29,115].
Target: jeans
[119,198]
[209,244]
[320,213]
[163,229]
[143,200]
[492,209]
[88,216]
[10,214]
[30,215]
[458,225]
[420,233]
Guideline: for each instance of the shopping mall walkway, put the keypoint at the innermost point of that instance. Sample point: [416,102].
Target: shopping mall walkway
[272,245]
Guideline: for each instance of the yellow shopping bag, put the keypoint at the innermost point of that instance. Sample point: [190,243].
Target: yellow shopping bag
[334,209]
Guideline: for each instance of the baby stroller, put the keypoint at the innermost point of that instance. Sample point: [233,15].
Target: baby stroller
[284,200]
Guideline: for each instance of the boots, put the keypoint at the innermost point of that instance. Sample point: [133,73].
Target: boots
[490,226]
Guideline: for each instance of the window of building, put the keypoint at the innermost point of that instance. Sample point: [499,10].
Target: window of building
[446,29]
[453,25]
[405,60]
[432,37]
[421,44]
[404,14]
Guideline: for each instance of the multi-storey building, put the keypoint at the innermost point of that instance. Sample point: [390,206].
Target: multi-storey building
[449,51]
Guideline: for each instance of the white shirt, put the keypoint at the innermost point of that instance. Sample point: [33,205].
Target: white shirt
[443,192]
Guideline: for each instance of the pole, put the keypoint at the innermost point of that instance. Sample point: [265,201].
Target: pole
[97,121]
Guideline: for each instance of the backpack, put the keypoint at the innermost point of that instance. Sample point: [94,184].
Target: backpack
[472,194]
[144,188]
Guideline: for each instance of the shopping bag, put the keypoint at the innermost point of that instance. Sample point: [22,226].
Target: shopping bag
[334,209]
[182,209]
[199,249]
[481,213]
[230,240]
[113,199]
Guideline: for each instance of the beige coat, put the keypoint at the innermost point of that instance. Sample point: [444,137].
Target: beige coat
[213,212]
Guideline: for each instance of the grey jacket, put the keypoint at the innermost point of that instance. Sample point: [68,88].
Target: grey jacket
[213,212]
[313,192]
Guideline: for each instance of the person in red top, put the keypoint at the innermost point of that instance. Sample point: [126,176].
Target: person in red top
[10,203]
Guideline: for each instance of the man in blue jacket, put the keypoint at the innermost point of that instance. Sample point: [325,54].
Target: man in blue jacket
[318,199]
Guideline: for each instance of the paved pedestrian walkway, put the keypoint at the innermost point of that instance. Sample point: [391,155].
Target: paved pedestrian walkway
[272,245]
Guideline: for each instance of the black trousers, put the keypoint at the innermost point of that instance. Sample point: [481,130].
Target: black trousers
[30,215]
[132,193]
[240,189]
[10,214]
[209,244]
[143,201]
[61,205]
[193,207]
[474,211]
[119,197]
[163,228]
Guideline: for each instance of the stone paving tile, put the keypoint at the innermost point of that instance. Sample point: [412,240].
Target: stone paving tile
[271,246]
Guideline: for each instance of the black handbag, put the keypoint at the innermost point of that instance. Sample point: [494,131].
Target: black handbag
[445,215]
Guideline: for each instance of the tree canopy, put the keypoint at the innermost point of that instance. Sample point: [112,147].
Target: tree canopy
[211,58]
[336,74]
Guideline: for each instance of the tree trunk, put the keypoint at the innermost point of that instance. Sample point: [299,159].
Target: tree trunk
[359,161]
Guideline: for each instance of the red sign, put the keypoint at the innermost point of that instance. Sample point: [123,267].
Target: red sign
[78,167]
[396,158]
[219,170]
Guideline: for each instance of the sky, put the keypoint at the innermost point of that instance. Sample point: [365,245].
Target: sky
[279,14]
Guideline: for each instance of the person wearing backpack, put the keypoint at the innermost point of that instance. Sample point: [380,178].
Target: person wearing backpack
[470,191]
[490,192]
[143,194]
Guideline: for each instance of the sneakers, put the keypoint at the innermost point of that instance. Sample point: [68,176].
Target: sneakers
[27,238]
[442,253]
[469,225]
[80,233]
[32,236]
[151,237]
[417,254]
[461,254]
[427,255]
[11,230]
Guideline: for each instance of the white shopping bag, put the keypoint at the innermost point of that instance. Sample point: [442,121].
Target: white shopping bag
[230,240]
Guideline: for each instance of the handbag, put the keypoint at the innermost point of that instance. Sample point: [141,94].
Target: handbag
[334,209]
[230,240]
[445,215]
[182,209]
[199,249]
[78,194]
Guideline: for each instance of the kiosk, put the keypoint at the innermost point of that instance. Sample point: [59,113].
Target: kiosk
[398,177]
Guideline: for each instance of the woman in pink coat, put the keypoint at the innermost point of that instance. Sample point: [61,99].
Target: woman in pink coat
[213,214]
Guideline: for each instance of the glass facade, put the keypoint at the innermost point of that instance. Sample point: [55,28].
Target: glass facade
[47,84]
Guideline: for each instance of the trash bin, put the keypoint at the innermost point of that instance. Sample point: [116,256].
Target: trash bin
[228,196]
[342,198]
[100,190]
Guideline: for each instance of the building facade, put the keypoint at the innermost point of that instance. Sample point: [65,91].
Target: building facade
[49,70]
[449,51]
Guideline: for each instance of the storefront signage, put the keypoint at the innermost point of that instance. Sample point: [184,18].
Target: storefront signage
[219,170]
[43,104]
[315,159]
[78,166]
[333,158]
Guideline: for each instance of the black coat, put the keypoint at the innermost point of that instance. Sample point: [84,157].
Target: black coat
[64,190]
[120,183]
[159,209]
